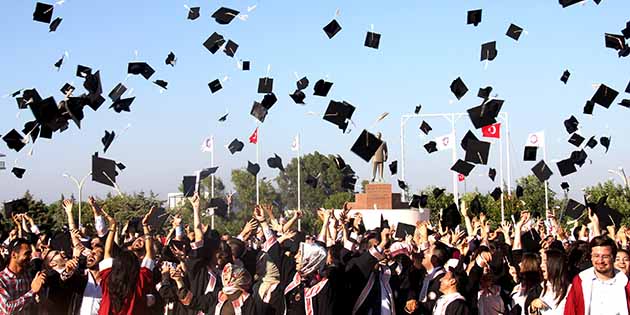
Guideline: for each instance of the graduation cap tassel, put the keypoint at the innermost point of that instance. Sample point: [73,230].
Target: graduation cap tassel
[114,183]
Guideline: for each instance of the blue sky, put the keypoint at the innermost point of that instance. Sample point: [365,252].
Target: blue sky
[424,46]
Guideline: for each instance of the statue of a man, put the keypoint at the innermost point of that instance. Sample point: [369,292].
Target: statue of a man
[379,158]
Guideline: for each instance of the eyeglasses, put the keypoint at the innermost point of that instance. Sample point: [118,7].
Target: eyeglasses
[603,257]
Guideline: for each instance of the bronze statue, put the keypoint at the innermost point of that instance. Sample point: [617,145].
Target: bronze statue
[379,158]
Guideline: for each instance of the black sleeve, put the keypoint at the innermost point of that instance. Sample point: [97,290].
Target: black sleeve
[457,307]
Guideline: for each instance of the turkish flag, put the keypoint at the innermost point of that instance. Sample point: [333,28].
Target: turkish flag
[492,131]
[461,177]
[254,137]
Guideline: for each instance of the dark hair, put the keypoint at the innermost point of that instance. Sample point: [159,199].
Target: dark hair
[604,241]
[16,244]
[530,273]
[461,279]
[441,254]
[123,278]
[557,273]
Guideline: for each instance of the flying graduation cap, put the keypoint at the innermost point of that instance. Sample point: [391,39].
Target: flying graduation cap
[542,171]
[514,32]
[253,168]
[565,76]
[425,127]
[224,15]
[458,88]
[107,139]
[366,145]
[275,162]
[604,96]
[214,42]
[170,59]
[372,40]
[140,68]
[331,29]
[393,167]
[193,13]
[474,17]
[104,170]
[43,12]
[339,113]
[322,88]
[489,51]
[54,24]
[235,146]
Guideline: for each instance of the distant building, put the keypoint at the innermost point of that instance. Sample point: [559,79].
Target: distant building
[175,200]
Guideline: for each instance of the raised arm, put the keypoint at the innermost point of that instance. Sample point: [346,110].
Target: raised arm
[469,228]
[148,240]
[67,207]
[287,226]
[518,230]
[109,242]
[595,228]
[196,203]
[99,221]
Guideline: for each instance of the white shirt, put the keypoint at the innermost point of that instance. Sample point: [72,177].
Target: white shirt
[607,298]
[92,295]
[550,299]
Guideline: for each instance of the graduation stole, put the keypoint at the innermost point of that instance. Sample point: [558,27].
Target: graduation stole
[237,304]
[384,275]
[212,282]
[443,303]
[309,293]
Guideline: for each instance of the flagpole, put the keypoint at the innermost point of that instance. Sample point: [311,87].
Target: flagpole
[507,144]
[212,165]
[299,183]
[454,159]
[546,182]
[501,179]
[257,162]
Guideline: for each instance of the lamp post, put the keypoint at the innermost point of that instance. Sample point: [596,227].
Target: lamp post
[79,187]
[621,173]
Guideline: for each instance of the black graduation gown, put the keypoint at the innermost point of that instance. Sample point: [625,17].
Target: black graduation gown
[358,271]
[433,294]
[457,307]
[198,277]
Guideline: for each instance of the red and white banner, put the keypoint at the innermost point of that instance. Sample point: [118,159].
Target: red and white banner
[254,137]
[536,139]
[207,145]
[445,142]
[461,177]
[492,131]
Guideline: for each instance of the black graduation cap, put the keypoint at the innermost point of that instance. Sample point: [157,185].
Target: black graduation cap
[530,241]
[46,132]
[74,108]
[59,63]
[33,128]
[588,107]
[83,71]
[615,41]
[253,168]
[269,100]
[259,112]
[215,86]
[235,146]
[451,217]
[230,48]
[265,85]
[564,186]
[458,88]
[605,142]
[625,103]
[103,170]
[275,162]
[414,202]
[348,182]
[170,59]
[224,117]
[404,229]
[393,167]
[338,113]
[468,137]
[332,28]
[402,184]
[121,166]
[384,223]
[607,215]
[214,42]
[576,140]
[15,207]
[189,183]
[311,181]
[122,104]
[565,76]
[566,167]
[298,97]
[161,83]
[67,89]
[489,51]
[419,107]
[54,25]
[193,13]
[322,88]
[437,192]
[529,154]
[492,173]
[566,3]
[604,96]
[43,12]
[246,65]
[372,40]
[425,127]
[224,15]
[302,83]
[474,17]
[366,145]
[475,207]
[578,157]
[203,173]
[514,32]
[542,171]
[107,139]
[431,147]
[484,92]
[477,152]
[574,209]
[485,114]
[571,124]
[519,191]
[18,172]
[141,68]
[220,206]
[462,167]
[496,193]
[14,140]
[626,31]
[158,218]
[92,83]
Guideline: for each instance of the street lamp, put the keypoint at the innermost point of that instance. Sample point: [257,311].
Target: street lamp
[621,173]
[80,187]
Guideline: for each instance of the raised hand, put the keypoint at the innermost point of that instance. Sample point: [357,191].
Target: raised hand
[145,219]
[195,201]
[38,282]
[259,214]
[67,206]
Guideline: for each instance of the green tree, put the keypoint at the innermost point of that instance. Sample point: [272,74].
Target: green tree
[245,185]
[618,197]
[534,195]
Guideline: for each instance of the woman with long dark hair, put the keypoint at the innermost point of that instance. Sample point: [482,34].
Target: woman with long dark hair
[528,279]
[125,281]
[555,286]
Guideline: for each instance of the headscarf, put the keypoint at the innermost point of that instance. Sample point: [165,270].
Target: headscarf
[313,258]
[270,276]
[235,278]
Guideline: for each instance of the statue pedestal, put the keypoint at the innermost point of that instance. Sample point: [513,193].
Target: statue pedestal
[378,196]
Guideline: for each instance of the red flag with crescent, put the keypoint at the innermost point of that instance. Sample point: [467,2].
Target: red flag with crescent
[254,137]
[492,131]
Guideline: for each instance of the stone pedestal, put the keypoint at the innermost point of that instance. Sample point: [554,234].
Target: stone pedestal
[378,196]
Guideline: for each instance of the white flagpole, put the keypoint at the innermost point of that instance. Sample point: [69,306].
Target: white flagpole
[257,162]
[299,182]
[501,179]
[546,182]
[507,144]
[212,165]
[454,159]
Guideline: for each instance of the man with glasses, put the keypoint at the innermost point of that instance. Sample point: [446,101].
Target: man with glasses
[601,289]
